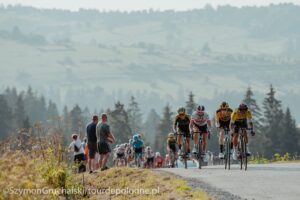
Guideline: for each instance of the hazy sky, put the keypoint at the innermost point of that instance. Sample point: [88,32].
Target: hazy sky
[139,4]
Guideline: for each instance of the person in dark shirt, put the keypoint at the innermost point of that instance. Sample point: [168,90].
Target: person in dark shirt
[104,137]
[92,140]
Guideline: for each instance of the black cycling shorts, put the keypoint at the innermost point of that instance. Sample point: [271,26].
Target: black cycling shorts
[240,124]
[150,160]
[138,150]
[224,124]
[173,147]
[185,133]
[120,155]
[202,129]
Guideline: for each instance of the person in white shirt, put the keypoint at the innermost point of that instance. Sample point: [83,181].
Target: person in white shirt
[78,150]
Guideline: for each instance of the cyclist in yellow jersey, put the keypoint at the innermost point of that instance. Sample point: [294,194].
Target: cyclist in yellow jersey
[240,118]
[223,117]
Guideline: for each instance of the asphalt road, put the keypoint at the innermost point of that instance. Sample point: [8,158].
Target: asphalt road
[260,182]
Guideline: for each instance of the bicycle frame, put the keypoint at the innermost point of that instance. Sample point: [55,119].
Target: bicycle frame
[172,163]
[200,150]
[183,149]
[227,143]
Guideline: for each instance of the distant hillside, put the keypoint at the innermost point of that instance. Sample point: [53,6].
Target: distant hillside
[159,54]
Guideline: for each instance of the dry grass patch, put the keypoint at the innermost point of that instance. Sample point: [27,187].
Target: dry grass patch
[165,187]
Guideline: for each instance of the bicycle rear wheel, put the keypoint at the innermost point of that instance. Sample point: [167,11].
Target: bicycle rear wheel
[200,153]
[183,152]
[227,153]
[245,154]
[241,148]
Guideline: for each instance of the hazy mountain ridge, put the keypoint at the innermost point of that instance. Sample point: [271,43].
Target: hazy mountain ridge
[165,53]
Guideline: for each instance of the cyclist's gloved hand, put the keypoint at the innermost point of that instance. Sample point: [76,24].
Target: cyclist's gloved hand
[252,133]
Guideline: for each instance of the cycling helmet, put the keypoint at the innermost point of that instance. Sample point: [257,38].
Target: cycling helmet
[243,106]
[122,146]
[157,154]
[224,105]
[200,108]
[135,137]
[181,110]
[148,148]
[171,135]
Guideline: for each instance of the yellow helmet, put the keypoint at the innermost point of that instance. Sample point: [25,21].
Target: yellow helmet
[171,135]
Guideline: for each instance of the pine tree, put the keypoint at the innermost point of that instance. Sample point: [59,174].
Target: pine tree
[290,136]
[134,116]
[163,129]
[52,112]
[66,122]
[253,107]
[26,123]
[118,120]
[86,115]
[190,104]
[30,103]
[150,126]
[41,109]
[52,116]
[77,125]
[272,123]
[258,142]
[5,118]
[11,96]
[19,113]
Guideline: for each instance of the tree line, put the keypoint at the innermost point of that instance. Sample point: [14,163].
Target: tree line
[276,129]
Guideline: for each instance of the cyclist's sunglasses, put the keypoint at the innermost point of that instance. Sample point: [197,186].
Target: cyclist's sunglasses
[224,109]
[182,114]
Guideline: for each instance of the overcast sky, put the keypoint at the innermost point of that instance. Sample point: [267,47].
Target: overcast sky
[139,4]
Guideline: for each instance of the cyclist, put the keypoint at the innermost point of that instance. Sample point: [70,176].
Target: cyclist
[149,155]
[171,145]
[223,116]
[158,160]
[115,154]
[200,123]
[181,125]
[120,155]
[138,147]
[240,118]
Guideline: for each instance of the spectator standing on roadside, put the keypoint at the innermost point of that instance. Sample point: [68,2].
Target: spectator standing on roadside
[104,137]
[92,141]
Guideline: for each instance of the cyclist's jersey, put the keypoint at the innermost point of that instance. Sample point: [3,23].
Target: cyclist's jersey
[138,144]
[172,143]
[224,117]
[183,124]
[238,117]
[149,154]
[200,118]
[120,150]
